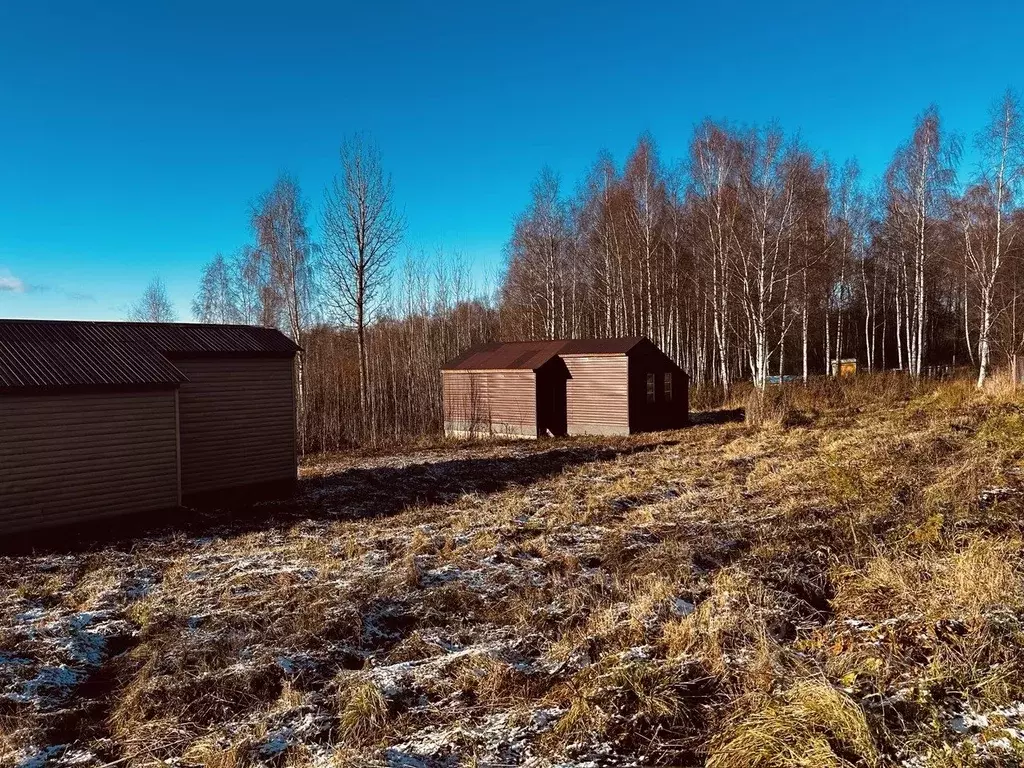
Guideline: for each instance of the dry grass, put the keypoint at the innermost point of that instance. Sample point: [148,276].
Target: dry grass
[362,713]
[810,724]
[833,582]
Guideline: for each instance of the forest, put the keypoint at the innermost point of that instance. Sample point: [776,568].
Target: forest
[752,257]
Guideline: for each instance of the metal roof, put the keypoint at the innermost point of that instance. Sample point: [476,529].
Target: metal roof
[69,364]
[56,353]
[531,355]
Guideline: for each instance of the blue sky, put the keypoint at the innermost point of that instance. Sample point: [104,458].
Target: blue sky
[134,136]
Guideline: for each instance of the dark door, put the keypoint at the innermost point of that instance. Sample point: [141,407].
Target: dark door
[552,412]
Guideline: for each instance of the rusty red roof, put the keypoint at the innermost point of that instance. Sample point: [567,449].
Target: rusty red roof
[531,355]
[57,353]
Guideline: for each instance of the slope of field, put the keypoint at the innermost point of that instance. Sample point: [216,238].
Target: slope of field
[836,582]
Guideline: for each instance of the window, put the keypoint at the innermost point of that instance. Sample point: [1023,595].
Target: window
[651,387]
[668,387]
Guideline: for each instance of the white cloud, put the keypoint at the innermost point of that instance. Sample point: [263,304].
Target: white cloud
[11,284]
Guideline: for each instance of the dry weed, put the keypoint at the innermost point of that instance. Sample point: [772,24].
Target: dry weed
[810,724]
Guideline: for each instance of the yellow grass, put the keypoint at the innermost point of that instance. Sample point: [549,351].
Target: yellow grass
[743,593]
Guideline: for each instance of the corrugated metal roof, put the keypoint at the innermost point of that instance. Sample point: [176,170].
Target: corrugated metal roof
[56,353]
[169,338]
[26,364]
[531,355]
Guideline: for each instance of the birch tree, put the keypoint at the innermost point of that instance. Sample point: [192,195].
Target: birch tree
[985,212]
[284,251]
[216,301]
[768,197]
[154,306]
[918,181]
[362,230]
[538,259]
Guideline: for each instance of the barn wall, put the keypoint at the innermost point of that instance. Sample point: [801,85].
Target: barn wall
[237,418]
[499,403]
[645,416]
[597,394]
[70,457]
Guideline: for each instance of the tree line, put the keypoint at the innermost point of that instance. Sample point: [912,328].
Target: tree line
[757,257]
[753,256]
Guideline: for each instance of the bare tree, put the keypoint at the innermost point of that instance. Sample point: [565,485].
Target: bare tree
[536,279]
[284,254]
[217,298]
[361,231]
[918,182]
[767,193]
[155,305]
[985,213]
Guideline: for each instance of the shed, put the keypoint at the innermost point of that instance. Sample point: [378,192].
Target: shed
[846,366]
[566,387]
[103,419]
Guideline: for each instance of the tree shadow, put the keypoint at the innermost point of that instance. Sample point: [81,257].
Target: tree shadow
[720,416]
[350,494]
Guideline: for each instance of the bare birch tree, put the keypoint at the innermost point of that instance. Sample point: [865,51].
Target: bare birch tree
[361,231]
[154,306]
[217,298]
[919,180]
[985,215]
[284,251]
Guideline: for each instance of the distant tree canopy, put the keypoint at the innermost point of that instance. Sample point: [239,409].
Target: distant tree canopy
[154,306]
[751,256]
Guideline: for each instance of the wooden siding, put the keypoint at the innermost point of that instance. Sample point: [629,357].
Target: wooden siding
[490,403]
[597,395]
[67,458]
[237,421]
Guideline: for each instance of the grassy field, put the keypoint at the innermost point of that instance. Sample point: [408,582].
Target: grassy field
[836,581]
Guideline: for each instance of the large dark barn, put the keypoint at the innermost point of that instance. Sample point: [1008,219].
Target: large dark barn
[576,387]
[103,419]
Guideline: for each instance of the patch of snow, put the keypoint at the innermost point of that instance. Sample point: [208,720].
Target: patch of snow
[40,758]
[968,722]
[277,742]
[682,608]
[49,682]
[639,653]
[31,616]
[77,757]
[1013,710]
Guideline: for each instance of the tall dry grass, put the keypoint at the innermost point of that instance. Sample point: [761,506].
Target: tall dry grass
[828,583]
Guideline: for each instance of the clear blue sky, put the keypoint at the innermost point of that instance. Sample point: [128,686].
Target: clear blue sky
[133,136]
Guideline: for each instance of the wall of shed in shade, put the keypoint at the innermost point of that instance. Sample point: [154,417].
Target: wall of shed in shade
[490,403]
[237,422]
[597,394]
[663,413]
[70,457]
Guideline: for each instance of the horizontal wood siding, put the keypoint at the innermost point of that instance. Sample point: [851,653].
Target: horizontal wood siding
[597,396]
[490,403]
[237,419]
[66,458]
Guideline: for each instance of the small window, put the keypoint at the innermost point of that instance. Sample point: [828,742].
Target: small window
[668,387]
[651,387]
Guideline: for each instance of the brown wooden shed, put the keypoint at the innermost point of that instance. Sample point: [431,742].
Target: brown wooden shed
[573,387]
[104,419]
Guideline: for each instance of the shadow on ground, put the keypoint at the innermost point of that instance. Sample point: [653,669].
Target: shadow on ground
[721,416]
[349,494]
